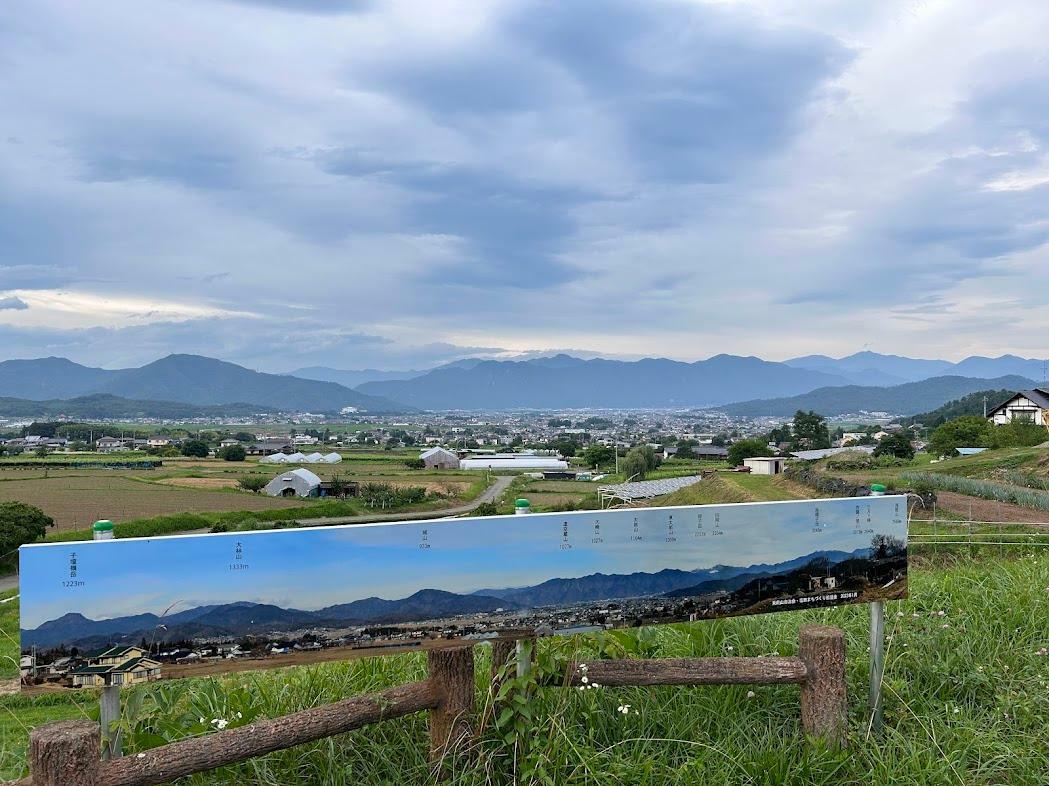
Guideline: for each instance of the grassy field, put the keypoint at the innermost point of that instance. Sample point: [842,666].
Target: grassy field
[967,702]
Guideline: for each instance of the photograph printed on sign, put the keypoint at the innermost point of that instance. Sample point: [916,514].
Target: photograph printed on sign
[132,610]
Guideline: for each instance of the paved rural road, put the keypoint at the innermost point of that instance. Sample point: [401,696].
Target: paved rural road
[490,494]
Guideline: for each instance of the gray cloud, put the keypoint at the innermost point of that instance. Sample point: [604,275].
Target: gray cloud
[394,184]
[13,304]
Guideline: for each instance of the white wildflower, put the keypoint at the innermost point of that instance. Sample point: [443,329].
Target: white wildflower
[751,694]
[584,679]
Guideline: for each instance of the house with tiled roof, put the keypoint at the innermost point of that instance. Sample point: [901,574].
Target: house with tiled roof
[1031,406]
[116,666]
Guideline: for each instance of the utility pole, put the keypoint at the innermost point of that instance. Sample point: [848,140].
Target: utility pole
[985,406]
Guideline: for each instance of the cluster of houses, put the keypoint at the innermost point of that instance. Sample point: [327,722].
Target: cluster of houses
[115,666]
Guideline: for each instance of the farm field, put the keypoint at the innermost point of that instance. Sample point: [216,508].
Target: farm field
[79,497]
[966,692]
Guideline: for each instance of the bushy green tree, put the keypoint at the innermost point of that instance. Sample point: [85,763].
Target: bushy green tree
[566,447]
[1016,434]
[685,449]
[195,447]
[595,455]
[633,465]
[746,448]
[233,453]
[897,445]
[810,431]
[967,431]
[20,523]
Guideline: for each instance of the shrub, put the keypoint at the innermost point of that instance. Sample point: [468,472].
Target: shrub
[253,483]
[233,453]
[195,447]
[414,463]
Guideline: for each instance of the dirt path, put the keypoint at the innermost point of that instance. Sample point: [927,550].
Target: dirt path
[978,509]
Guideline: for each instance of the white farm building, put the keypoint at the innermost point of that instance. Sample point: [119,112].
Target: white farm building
[299,458]
[295,483]
[439,458]
[765,465]
[521,461]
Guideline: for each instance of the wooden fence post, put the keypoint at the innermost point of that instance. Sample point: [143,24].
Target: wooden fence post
[451,673]
[66,753]
[824,705]
[109,717]
[502,649]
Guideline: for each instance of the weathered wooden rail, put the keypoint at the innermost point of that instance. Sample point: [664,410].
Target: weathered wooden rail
[68,753]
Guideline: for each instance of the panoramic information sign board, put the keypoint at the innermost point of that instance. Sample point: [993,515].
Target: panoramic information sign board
[126,611]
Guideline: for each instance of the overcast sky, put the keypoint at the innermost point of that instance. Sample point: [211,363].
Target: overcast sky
[394,184]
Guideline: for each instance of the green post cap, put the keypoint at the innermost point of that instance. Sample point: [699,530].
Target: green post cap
[105,525]
[522,503]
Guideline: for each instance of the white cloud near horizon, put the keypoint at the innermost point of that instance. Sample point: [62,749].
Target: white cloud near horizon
[290,182]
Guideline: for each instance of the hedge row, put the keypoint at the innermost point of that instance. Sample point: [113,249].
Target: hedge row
[826,484]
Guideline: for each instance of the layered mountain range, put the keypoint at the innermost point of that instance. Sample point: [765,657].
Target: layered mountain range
[187,385]
[184,379]
[864,381]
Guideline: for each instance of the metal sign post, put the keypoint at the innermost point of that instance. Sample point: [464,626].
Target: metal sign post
[877,661]
[877,646]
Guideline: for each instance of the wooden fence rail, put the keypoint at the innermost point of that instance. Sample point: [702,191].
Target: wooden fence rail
[68,753]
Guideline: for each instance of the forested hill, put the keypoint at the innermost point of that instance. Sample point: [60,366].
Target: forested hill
[905,399]
[972,404]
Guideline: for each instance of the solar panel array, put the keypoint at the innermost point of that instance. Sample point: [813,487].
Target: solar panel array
[646,489]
